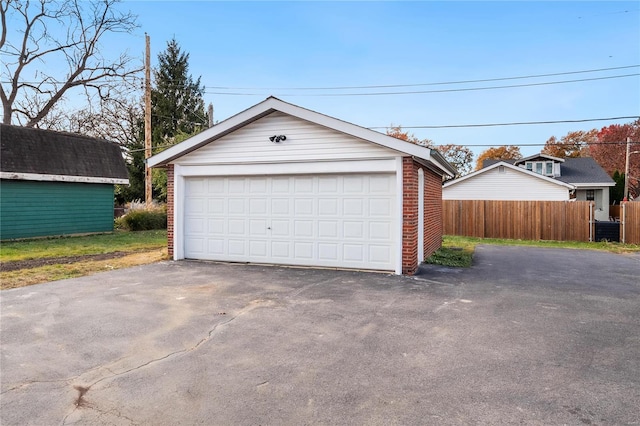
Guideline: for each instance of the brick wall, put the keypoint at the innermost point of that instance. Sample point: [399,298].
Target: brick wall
[432,214]
[433,225]
[170,210]
[409,216]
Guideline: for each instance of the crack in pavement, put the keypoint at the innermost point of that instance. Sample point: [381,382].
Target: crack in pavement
[83,390]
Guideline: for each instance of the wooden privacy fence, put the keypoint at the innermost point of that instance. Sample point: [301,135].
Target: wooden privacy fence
[525,220]
[630,223]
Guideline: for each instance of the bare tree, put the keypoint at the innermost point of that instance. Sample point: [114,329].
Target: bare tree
[49,32]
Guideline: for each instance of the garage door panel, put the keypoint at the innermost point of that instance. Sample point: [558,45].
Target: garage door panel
[216,246]
[258,249]
[258,206]
[237,248]
[303,185]
[303,228]
[215,187]
[236,185]
[380,230]
[328,251]
[195,186]
[353,207]
[380,207]
[326,220]
[303,206]
[353,229]
[379,254]
[328,207]
[280,250]
[327,229]
[328,184]
[215,206]
[215,227]
[353,184]
[236,227]
[280,228]
[197,245]
[257,227]
[353,252]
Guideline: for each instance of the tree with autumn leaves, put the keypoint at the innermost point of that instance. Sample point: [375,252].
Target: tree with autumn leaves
[508,152]
[607,147]
[573,144]
[458,156]
[610,151]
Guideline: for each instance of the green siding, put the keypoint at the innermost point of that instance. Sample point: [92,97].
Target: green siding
[34,209]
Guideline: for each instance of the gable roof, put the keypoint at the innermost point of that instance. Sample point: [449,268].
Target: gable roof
[539,156]
[36,154]
[578,171]
[272,104]
[510,167]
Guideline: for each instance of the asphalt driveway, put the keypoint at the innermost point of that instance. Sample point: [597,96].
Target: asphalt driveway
[527,335]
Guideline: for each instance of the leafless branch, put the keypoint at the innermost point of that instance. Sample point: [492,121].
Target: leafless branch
[85,24]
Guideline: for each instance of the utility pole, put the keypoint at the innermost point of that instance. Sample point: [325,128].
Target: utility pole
[148,195]
[626,173]
[210,115]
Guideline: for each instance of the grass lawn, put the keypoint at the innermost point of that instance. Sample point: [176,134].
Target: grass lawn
[458,251]
[42,260]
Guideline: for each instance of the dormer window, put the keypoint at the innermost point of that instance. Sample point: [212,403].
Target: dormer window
[549,168]
[540,167]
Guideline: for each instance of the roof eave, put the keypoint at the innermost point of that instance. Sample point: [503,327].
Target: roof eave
[512,167]
[272,104]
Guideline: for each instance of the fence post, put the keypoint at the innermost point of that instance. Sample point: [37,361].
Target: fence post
[590,222]
[623,221]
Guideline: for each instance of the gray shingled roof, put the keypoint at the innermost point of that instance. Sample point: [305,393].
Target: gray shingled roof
[573,170]
[28,150]
[582,170]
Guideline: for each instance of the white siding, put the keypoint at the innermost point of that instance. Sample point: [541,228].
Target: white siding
[508,185]
[305,141]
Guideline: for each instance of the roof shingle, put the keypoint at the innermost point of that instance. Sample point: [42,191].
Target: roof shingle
[29,150]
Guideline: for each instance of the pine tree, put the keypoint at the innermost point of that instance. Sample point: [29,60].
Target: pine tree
[177,106]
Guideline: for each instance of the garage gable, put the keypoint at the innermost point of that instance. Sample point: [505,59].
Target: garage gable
[303,141]
[429,157]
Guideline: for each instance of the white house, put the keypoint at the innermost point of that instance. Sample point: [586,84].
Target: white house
[281,184]
[537,177]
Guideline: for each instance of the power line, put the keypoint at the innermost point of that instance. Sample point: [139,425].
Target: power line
[367,87]
[510,124]
[413,92]
[425,84]
[621,143]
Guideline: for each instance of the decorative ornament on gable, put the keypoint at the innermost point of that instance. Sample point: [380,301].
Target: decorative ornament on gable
[277,138]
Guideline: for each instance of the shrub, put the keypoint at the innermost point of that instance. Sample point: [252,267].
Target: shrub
[143,220]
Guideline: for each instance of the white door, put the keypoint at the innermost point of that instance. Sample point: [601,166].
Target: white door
[323,220]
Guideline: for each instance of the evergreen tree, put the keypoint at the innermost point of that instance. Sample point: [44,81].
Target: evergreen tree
[177,112]
[177,106]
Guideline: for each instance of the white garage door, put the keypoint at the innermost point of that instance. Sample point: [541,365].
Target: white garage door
[327,220]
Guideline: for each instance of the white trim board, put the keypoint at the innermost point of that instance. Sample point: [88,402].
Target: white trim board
[61,178]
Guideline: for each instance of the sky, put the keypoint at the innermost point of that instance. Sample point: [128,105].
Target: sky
[246,51]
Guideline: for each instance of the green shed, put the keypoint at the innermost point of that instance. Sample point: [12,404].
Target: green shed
[55,183]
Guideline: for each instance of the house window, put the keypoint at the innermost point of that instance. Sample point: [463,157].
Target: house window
[529,165]
[539,168]
[549,171]
[591,194]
